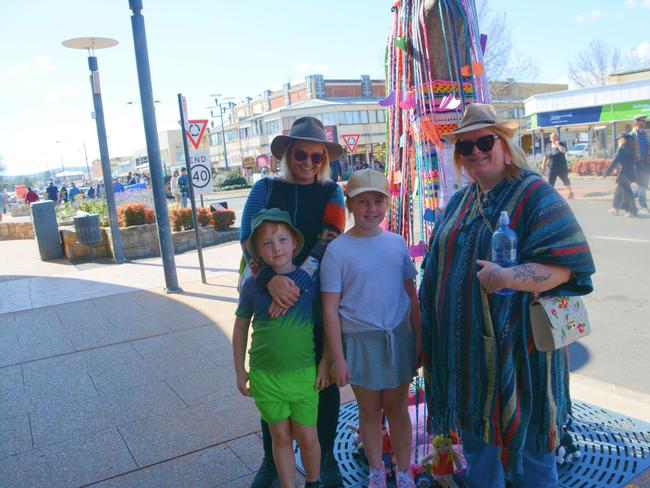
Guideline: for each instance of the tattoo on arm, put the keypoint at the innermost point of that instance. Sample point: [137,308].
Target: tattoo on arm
[527,272]
[493,274]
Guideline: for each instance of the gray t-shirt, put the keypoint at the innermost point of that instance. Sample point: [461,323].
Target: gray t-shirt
[369,273]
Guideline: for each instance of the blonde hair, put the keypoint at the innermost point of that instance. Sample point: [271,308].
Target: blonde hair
[323,175]
[517,156]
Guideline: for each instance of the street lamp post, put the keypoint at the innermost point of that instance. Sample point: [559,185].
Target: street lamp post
[90,44]
[90,180]
[222,109]
[153,148]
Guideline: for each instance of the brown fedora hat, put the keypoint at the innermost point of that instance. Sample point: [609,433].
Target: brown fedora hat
[305,129]
[478,116]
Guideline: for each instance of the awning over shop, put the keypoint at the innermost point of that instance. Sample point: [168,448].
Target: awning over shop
[608,103]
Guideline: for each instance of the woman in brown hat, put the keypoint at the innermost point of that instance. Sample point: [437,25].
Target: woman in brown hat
[315,204]
[482,371]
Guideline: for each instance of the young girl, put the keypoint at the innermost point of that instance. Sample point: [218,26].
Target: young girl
[372,322]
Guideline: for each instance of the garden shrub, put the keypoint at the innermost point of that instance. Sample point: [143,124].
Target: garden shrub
[230,179]
[590,167]
[134,214]
[181,219]
[223,219]
[204,216]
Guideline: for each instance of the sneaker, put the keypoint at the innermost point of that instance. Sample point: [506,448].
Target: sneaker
[629,214]
[613,211]
[330,475]
[313,484]
[377,478]
[643,211]
[267,476]
[404,480]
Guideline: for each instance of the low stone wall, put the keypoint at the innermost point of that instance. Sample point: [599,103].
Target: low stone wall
[16,230]
[141,241]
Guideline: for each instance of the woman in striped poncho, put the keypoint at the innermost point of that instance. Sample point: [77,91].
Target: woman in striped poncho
[483,374]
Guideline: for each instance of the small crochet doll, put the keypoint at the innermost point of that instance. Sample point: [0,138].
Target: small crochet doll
[441,462]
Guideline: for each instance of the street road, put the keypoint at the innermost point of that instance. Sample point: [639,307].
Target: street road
[618,349]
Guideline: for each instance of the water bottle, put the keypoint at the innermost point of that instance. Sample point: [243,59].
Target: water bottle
[504,247]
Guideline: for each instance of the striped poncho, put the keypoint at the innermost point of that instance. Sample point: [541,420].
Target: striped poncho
[482,371]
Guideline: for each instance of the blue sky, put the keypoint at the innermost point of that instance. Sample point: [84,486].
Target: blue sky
[237,48]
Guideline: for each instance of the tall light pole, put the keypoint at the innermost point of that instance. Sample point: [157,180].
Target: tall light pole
[222,109]
[90,44]
[90,180]
[153,148]
[61,158]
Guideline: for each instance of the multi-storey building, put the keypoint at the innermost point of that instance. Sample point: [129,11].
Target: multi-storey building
[346,107]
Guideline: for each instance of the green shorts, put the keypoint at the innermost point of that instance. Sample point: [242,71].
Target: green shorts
[283,395]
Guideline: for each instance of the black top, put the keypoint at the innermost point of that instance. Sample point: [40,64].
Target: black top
[557,159]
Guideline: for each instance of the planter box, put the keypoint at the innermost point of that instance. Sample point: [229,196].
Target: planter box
[141,241]
[74,251]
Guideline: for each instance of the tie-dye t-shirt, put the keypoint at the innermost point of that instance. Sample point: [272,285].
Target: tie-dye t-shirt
[284,343]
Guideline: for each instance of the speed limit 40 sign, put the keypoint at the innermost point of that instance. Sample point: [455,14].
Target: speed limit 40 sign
[200,172]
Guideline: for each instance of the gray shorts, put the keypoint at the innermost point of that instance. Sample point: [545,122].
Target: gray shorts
[378,360]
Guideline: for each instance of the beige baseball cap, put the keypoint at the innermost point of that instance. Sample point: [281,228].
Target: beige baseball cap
[367,180]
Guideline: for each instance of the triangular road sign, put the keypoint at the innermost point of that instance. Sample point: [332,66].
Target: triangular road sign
[351,141]
[195,130]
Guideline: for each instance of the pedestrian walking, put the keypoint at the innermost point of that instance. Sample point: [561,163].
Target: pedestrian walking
[31,196]
[316,207]
[73,192]
[625,162]
[52,192]
[175,188]
[484,378]
[91,192]
[283,375]
[372,311]
[555,159]
[63,194]
[5,198]
[184,187]
[117,186]
[640,144]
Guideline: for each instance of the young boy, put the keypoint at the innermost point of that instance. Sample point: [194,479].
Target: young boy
[282,377]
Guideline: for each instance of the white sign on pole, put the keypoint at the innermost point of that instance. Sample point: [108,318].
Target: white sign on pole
[201,172]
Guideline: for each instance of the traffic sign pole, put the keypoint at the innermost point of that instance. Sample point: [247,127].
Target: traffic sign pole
[182,108]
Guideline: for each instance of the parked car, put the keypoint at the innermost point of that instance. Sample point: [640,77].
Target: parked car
[580,150]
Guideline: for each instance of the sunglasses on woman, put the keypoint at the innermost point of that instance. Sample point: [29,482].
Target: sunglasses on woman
[299,155]
[484,144]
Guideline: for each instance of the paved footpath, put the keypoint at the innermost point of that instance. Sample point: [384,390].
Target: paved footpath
[105,379]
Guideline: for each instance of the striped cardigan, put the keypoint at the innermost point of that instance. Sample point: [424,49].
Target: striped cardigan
[482,371]
[317,211]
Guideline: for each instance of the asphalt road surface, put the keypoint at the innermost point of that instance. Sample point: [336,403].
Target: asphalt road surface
[618,349]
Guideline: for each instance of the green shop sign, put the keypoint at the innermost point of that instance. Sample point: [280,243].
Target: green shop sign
[624,111]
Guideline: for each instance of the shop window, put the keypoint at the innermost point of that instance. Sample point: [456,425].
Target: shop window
[329,118]
[272,126]
[244,132]
[353,117]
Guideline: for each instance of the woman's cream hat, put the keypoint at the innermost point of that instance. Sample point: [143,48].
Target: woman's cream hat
[478,116]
